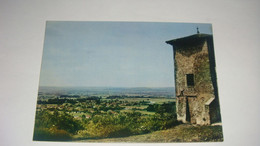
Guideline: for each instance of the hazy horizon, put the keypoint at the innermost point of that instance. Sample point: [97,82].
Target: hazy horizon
[160,91]
[106,86]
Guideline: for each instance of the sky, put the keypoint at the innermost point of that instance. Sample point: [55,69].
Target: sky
[111,54]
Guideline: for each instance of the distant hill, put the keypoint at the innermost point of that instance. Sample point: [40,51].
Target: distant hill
[99,91]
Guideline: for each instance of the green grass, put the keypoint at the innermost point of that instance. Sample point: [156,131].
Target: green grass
[153,100]
[162,100]
[137,107]
[140,111]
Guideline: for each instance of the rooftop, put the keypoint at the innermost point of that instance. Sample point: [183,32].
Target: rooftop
[189,40]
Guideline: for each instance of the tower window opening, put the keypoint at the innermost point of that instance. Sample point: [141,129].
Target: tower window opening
[190,80]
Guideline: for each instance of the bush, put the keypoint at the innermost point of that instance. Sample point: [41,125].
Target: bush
[162,108]
[55,125]
[66,122]
[102,130]
[41,134]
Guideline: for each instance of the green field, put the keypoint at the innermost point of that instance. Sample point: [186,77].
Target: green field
[142,108]
[152,100]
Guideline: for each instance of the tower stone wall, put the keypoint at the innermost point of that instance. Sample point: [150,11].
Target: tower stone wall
[195,79]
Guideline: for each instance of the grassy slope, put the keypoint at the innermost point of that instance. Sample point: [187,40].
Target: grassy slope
[180,133]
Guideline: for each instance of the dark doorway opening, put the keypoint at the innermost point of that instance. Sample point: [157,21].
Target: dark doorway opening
[187,110]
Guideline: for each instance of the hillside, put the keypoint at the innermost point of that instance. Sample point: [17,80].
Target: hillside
[180,133]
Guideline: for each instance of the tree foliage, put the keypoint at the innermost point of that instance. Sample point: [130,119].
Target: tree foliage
[55,124]
[106,120]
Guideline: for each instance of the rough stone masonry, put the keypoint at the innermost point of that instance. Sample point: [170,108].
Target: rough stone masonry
[195,79]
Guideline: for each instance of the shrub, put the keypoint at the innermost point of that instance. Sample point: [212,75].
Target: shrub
[51,134]
[102,130]
[58,123]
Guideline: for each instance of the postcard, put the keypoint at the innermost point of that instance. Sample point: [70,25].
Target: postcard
[140,82]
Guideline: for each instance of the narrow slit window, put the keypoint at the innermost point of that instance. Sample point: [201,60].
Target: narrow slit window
[190,79]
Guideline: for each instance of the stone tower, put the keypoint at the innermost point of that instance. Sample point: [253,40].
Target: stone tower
[195,79]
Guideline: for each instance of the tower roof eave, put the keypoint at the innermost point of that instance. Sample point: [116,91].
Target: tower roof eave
[188,39]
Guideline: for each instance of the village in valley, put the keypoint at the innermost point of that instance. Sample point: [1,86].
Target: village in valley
[68,117]
[85,106]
